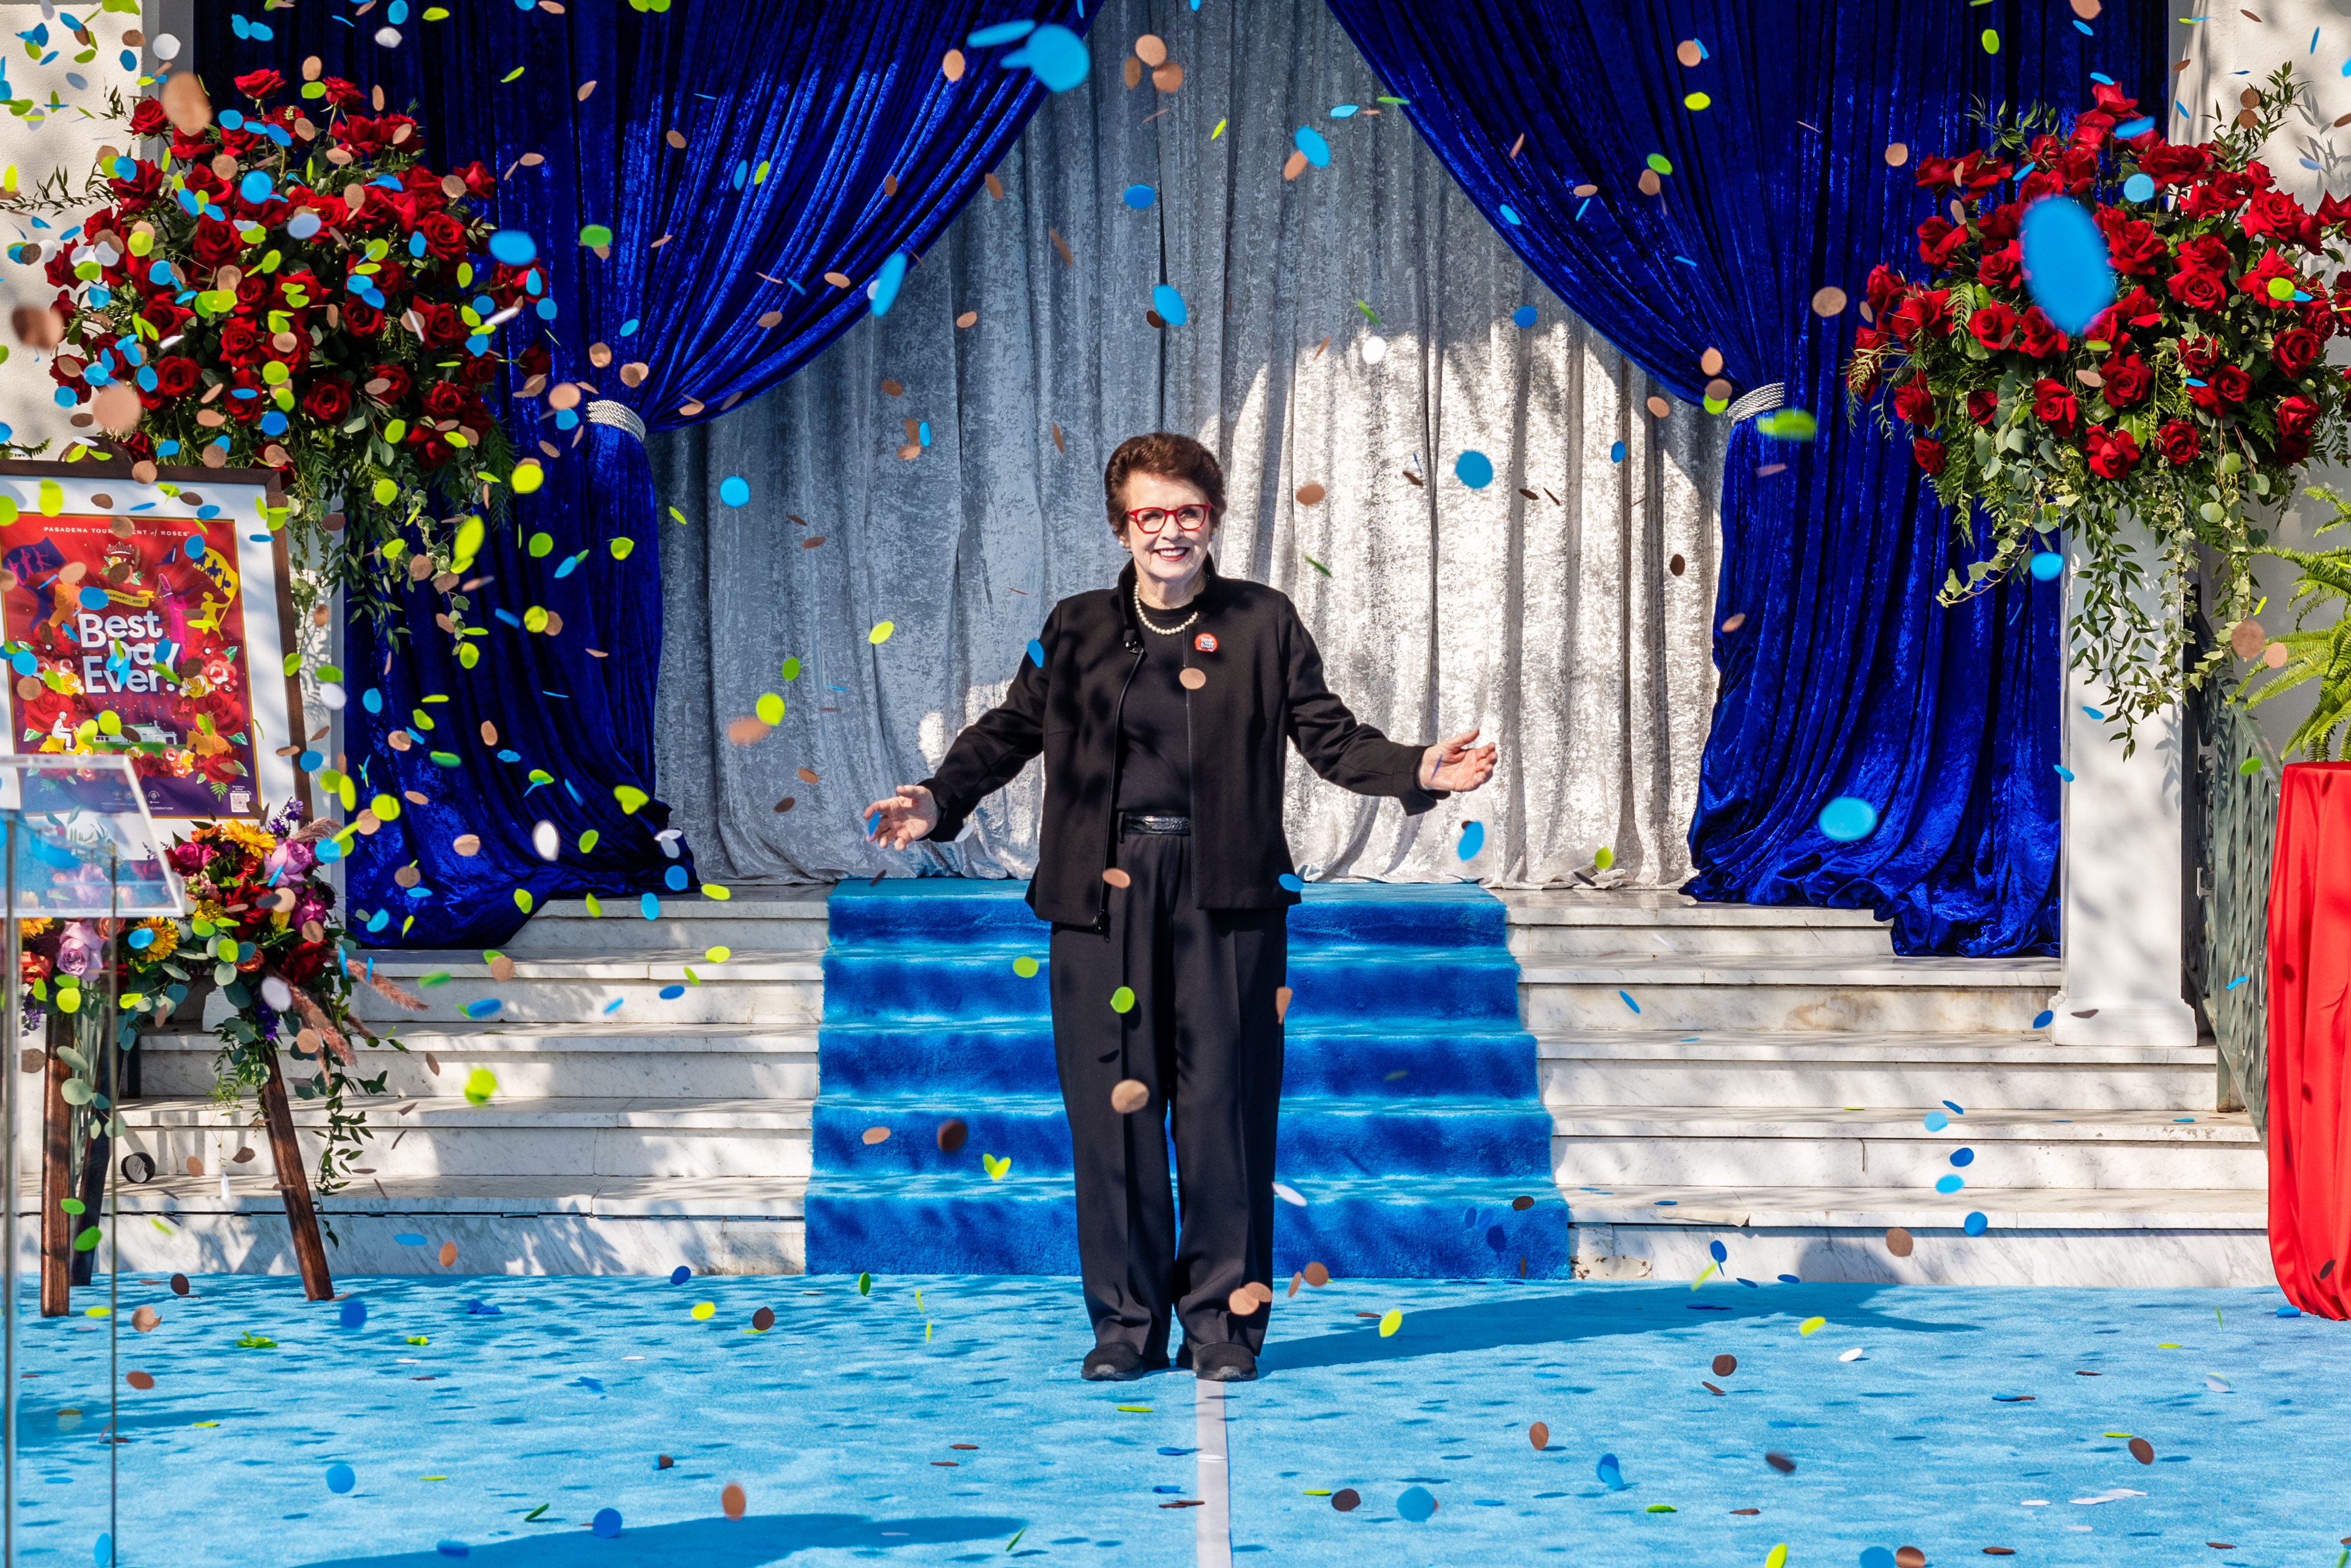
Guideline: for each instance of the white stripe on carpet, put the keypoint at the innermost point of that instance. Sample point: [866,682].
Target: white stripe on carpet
[1212,1524]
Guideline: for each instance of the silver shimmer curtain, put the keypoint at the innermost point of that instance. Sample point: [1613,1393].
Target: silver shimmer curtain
[1546,609]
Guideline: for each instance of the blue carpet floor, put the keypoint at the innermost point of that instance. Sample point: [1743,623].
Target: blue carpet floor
[1411,1120]
[836,1422]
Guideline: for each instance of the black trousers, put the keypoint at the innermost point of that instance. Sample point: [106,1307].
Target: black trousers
[1204,1037]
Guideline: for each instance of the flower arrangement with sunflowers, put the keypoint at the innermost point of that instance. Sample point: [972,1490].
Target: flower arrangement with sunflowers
[276,290]
[2189,401]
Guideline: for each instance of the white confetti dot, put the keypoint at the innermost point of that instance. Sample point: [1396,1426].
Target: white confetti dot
[1375,349]
[167,48]
[387,36]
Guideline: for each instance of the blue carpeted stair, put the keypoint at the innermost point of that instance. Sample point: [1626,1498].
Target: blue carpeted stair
[1410,1117]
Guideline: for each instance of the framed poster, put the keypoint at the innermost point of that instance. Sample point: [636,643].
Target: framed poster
[160,613]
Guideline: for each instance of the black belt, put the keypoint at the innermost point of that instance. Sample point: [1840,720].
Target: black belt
[1137,823]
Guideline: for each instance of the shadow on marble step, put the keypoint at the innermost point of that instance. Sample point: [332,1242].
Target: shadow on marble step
[1552,1005]
[2188,1088]
[1655,1159]
[927,910]
[541,1074]
[1720,944]
[775,993]
[685,926]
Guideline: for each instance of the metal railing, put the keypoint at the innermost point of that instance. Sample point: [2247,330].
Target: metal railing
[2232,822]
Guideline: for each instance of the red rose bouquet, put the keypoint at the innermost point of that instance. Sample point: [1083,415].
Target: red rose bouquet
[2189,399]
[301,294]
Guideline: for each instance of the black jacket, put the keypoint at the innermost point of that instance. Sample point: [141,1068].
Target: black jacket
[1264,684]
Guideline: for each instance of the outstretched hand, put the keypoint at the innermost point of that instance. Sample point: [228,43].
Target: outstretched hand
[898,820]
[1455,766]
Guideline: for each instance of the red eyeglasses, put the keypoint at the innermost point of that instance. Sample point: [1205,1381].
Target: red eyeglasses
[1151,519]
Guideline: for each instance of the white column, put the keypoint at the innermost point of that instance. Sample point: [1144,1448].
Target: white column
[2121,925]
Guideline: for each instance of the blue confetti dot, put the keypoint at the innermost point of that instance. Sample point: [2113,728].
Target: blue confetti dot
[886,282]
[2138,188]
[1877,1557]
[1947,1185]
[1001,33]
[1056,55]
[1848,818]
[482,1008]
[1416,1504]
[680,1275]
[2063,771]
[1611,1473]
[671,993]
[1963,1157]
[2289,1312]
[341,1478]
[2235,983]
[2043,1019]
[1523,317]
[607,1522]
[452,1549]
[649,907]
[1474,470]
[675,879]
[735,490]
[1139,196]
[92,597]
[1629,1001]
[1169,304]
[1615,451]
[354,1314]
[409,1238]
[1936,1120]
[513,247]
[23,663]
[1035,652]
[1510,216]
[1309,141]
[255,187]
[2046,565]
[102,1552]
[1975,1224]
[1790,1279]
[1718,1252]
[1953,1107]
[2065,263]
[1473,839]
[1290,879]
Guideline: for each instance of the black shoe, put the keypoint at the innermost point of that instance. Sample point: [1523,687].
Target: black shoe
[1225,1364]
[1111,1363]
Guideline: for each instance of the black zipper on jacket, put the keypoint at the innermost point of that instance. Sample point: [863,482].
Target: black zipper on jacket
[1117,718]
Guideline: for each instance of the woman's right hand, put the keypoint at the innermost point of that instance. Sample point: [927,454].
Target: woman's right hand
[903,818]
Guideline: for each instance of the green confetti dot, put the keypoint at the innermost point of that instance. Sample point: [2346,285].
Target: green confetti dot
[792,669]
[864,1284]
[1025,967]
[1697,101]
[595,234]
[540,544]
[480,1084]
[1991,40]
[1121,1001]
[621,546]
[1661,163]
[769,707]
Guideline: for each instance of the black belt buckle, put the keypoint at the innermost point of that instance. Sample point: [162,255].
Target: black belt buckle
[1137,823]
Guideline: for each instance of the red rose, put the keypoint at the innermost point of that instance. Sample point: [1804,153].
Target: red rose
[2112,452]
[2273,213]
[149,118]
[479,180]
[341,94]
[1927,454]
[2231,383]
[444,236]
[483,368]
[2111,99]
[246,397]
[216,243]
[1935,173]
[2272,264]
[2293,450]
[1886,286]
[2297,416]
[442,324]
[2294,349]
[1938,238]
[1984,405]
[2090,126]
[2052,404]
[431,449]
[2002,268]
[304,962]
[2127,380]
[2003,223]
[1993,325]
[2178,443]
[2169,165]
[444,399]
[260,84]
[163,316]
[539,360]
[1980,171]
[175,376]
[395,384]
[361,317]
[2199,289]
[2199,354]
[2040,337]
[241,343]
[327,400]
[2132,244]
[1914,403]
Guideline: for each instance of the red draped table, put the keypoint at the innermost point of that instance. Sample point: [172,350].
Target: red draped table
[2310,1039]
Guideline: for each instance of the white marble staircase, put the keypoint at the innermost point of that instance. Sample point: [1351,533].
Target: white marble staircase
[1769,1093]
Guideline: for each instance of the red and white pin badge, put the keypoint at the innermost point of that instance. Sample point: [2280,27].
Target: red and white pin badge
[1205,641]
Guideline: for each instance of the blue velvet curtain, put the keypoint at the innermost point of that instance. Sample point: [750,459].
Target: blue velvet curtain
[817,138]
[1845,677]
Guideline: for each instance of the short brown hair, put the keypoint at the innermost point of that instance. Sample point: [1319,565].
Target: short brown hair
[1163,453]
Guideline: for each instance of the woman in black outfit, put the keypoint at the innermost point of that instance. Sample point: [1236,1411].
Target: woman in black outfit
[1161,708]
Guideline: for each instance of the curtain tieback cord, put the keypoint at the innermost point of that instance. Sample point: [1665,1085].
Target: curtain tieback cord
[620,416]
[1762,400]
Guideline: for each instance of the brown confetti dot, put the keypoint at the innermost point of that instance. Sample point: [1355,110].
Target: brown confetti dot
[1523,1203]
[1132,71]
[1413,479]
[1898,1242]
[1296,1281]
[1735,622]
[951,1135]
[1168,77]
[805,775]
[502,968]
[1676,566]
[969,318]
[2087,10]
[1310,494]
[1539,1435]
[1687,51]
[1281,995]
[1346,1499]
[876,1135]
[1718,389]
[1152,318]
[1747,1511]
[2246,639]
[747,730]
[889,184]
[467,844]
[1192,679]
[951,65]
[2000,1550]
[142,1380]
[731,1501]
[995,186]
[662,1461]
[1828,300]
[1725,1364]
[838,279]
[2275,655]
[1710,362]
[1780,1462]
[675,139]
[1240,1303]
[785,804]
[2142,1450]
[242,1156]
[964,1447]
[1061,249]
[813,542]
[1316,1275]
[1649,183]
[1294,165]
[1528,494]
[1659,407]
[1909,1557]
[1586,190]
[1710,1388]
[1117,878]
[1057,444]
[1896,155]
[764,1319]
[1150,49]
[1128,1096]
[145,1319]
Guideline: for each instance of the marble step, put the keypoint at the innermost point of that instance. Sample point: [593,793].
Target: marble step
[1731,1146]
[1790,992]
[772,920]
[2153,1237]
[562,1138]
[500,1225]
[1548,924]
[749,987]
[537,1060]
[1734,1068]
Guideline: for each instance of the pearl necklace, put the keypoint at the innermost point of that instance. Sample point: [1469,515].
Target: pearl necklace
[1163,630]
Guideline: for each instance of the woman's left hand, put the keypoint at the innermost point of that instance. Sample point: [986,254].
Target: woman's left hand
[1455,764]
